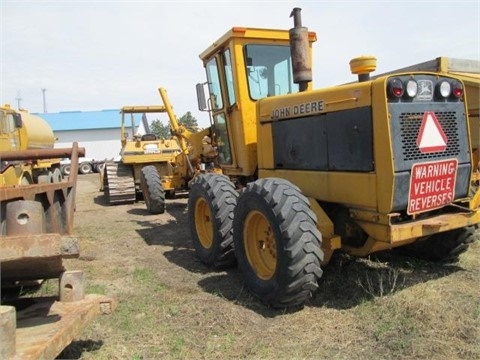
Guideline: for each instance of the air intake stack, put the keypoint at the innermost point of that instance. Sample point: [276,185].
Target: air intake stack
[363,66]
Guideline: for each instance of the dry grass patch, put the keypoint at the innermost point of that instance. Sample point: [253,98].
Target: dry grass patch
[170,306]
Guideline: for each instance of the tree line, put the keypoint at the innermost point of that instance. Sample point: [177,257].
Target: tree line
[163,130]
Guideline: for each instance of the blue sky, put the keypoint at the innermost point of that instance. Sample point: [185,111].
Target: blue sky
[94,55]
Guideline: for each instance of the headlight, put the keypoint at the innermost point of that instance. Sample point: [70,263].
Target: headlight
[411,89]
[444,89]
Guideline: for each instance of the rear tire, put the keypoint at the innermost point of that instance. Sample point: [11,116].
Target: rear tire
[277,243]
[44,177]
[26,179]
[57,175]
[170,194]
[65,169]
[445,246]
[211,201]
[152,189]
[85,168]
[99,167]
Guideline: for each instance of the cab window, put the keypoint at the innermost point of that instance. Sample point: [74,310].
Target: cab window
[7,123]
[3,123]
[227,63]
[223,144]
[214,85]
[269,71]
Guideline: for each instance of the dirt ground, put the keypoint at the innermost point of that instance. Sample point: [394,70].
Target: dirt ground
[171,306]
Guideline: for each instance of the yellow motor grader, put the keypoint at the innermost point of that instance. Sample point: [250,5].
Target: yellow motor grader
[375,164]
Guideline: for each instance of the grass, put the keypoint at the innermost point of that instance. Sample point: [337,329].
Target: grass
[96,289]
[398,310]
[476,312]
[170,306]
[142,276]
[176,345]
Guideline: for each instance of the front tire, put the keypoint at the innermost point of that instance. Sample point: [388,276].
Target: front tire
[211,201]
[152,189]
[277,243]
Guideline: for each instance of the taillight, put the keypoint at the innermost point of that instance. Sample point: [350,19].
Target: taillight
[395,88]
[457,89]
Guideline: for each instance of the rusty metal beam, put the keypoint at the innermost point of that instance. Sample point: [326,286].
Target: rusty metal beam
[36,246]
[39,154]
[32,257]
[28,192]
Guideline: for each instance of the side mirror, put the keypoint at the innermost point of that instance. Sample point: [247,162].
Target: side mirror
[18,120]
[202,103]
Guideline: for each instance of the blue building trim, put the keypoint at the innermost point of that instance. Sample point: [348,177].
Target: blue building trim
[86,120]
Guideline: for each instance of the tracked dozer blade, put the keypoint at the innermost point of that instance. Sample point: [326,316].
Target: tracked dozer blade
[119,186]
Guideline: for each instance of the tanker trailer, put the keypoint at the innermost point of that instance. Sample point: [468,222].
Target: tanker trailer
[20,131]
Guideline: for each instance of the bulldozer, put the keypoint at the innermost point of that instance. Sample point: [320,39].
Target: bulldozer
[375,164]
[153,168]
[146,165]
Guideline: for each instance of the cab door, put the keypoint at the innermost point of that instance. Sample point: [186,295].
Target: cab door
[9,136]
[221,98]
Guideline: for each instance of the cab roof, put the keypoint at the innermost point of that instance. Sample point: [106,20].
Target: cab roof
[250,33]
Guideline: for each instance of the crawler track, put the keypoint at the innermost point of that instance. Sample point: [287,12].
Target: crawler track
[118,183]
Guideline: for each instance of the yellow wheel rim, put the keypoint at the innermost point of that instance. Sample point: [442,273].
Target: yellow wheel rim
[259,244]
[204,223]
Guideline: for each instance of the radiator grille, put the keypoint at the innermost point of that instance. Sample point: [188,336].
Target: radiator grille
[410,126]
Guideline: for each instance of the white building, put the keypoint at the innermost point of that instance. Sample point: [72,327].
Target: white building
[97,131]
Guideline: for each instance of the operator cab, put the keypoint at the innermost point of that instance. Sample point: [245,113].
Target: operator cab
[242,67]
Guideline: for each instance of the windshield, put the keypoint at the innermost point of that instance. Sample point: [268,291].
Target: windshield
[269,70]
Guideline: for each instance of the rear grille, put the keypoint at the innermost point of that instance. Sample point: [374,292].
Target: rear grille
[410,126]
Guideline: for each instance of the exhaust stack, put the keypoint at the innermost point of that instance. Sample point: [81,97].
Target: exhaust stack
[300,51]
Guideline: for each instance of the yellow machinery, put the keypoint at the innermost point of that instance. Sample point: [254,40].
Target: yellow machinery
[22,131]
[36,233]
[145,167]
[371,165]
[157,168]
[198,153]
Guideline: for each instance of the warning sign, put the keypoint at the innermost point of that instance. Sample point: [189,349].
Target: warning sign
[431,137]
[432,185]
